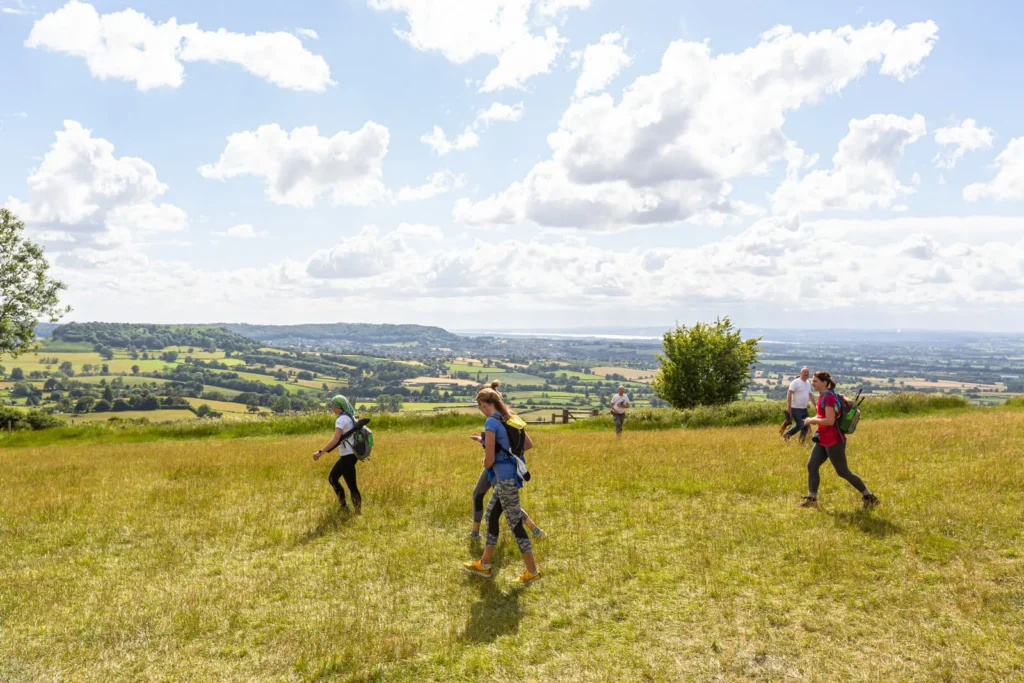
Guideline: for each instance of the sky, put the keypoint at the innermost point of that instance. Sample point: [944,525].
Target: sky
[521,164]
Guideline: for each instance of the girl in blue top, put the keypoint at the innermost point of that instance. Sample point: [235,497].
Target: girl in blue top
[483,484]
[506,489]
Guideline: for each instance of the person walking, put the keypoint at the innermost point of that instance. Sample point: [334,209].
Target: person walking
[483,484]
[505,499]
[619,404]
[831,444]
[345,468]
[797,399]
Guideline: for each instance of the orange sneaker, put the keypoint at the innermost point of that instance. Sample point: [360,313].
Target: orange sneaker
[527,577]
[475,567]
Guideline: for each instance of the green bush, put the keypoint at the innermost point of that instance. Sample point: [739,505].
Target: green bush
[12,419]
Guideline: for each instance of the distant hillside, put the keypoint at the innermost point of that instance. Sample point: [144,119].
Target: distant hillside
[353,334]
[123,335]
[44,330]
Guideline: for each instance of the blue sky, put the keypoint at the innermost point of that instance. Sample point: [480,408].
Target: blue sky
[617,235]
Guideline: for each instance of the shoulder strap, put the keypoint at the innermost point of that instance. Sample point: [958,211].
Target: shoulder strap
[356,426]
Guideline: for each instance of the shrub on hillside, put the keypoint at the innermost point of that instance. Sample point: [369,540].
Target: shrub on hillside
[12,419]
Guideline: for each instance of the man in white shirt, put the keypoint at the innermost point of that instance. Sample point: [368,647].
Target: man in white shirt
[619,404]
[797,399]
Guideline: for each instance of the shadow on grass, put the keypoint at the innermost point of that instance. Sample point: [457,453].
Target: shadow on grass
[332,520]
[865,521]
[495,614]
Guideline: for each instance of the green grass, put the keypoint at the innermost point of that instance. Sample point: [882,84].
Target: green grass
[672,556]
[151,415]
[743,413]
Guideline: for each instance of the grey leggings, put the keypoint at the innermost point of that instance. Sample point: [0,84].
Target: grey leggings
[837,454]
[506,499]
[482,484]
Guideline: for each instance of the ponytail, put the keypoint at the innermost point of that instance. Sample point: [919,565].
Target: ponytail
[491,396]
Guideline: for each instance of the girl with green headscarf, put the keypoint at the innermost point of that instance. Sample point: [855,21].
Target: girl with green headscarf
[345,468]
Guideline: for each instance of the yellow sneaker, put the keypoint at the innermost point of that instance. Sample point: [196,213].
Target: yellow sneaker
[475,567]
[527,577]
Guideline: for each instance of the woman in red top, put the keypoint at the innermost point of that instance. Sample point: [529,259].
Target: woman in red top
[831,444]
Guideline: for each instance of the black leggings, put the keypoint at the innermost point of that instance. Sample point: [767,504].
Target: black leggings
[345,467]
[837,454]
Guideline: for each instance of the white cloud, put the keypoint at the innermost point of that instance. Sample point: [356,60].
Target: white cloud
[13,10]
[963,137]
[438,141]
[1009,180]
[83,189]
[844,270]
[667,150]
[307,33]
[864,169]
[437,183]
[365,255]
[499,112]
[301,165]
[244,231]
[420,231]
[602,62]
[129,45]
[513,31]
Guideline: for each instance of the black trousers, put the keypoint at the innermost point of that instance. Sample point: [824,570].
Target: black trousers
[345,468]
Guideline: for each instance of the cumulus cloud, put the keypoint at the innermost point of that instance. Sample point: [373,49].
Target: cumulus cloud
[364,255]
[666,151]
[300,166]
[516,32]
[438,140]
[245,231]
[307,33]
[961,138]
[602,62]
[130,46]
[864,169]
[1009,180]
[82,189]
[437,183]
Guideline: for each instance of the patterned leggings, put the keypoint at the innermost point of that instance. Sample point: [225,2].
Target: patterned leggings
[506,499]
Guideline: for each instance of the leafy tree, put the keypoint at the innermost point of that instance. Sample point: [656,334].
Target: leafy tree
[203,410]
[135,369]
[3,371]
[67,368]
[305,374]
[253,406]
[150,403]
[26,292]
[22,389]
[282,405]
[84,404]
[17,374]
[389,403]
[108,394]
[121,404]
[102,406]
[707,364]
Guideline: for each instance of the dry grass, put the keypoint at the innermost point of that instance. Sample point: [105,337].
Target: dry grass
[674,555]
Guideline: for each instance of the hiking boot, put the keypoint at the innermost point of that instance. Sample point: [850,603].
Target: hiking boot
[809,502]
[475,567]
[527,577]
[871,501]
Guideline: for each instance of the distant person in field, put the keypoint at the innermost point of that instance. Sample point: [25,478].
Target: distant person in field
[346,466]
[797,399]
[830,444]
[619,404]
[483,484]
[505,499]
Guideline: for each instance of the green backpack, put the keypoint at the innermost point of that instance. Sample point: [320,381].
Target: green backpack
[848,412]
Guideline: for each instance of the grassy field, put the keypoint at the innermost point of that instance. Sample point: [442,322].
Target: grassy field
[673,555]
[151,415]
